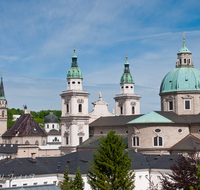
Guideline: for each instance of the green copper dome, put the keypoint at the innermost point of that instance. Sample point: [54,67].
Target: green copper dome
[181,79]
[126,77]
[74,71]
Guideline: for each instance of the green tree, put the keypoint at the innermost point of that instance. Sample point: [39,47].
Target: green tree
[111,168]
[66,184]
[198,178]
[78,181]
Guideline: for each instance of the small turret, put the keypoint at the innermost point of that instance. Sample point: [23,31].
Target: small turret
[184,56]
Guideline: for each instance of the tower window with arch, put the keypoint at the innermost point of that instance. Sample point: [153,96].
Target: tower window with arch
[80,140]
[67,108]
[133,110]
[67,140]
[136,141]
[36,143]
[27,142]
[158,141]
[121,109]
[80,108]
[53,126]
[3,113]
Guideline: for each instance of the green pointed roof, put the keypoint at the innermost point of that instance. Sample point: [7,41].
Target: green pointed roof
[2,94]
[126,77]
[151,117]
[184,48]
[74,71]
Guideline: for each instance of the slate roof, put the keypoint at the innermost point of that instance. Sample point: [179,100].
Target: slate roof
[93,142]
[54,132]
[188,143]
[24,126]
[50,165]
[113,120]
[35,187]
[8,148]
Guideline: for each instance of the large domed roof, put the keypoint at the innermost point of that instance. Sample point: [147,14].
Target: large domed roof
[51,118]
[181,79]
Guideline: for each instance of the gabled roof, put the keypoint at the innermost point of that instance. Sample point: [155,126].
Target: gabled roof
[24,126]
[113,120]
[151,117]
[189,143]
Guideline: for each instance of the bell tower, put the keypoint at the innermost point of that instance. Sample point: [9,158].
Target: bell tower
[3,109]
[127,103]
[75,117]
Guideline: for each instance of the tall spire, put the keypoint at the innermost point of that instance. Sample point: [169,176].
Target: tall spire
[184,48]
[2,94]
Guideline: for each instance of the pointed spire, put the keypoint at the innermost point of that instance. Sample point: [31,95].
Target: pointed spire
[74,59]
[184,48]
[2,94]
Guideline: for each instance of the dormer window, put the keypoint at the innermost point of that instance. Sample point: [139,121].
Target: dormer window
[187,104]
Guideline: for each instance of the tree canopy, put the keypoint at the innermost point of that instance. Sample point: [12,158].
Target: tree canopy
[111,167]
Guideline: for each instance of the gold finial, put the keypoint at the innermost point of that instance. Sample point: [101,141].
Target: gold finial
[74,49]
[126,56]
[183,36]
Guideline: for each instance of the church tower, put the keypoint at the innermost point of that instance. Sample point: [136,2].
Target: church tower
[127,103]
[3,110]
[74,118]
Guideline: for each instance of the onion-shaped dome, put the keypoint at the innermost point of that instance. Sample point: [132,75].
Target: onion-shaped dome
[51,118]
[126,77]
[74,71]
[181,79]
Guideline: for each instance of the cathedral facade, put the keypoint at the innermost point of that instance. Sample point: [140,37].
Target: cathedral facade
[173,130]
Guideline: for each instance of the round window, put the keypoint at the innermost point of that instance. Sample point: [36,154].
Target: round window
[199,130]
[101,132]
[180,130]
[157,130]
[126,132]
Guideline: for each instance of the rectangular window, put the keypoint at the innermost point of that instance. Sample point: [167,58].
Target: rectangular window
[187,104]
[184,60]
[170,105]
[45,182]
[14,185]
[25,184]
[180,61]
[67,140]
[158,141]
[35,183]
[136,141]
[189,60]
[80,140]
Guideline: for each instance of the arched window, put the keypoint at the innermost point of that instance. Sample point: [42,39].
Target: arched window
[3,113]
[158,141]
[133,110]
[56,139]
[53,126]
[136,141]
[80,108]
[67,140]
[36,143]
[67,108]
[26,142]
[121,110]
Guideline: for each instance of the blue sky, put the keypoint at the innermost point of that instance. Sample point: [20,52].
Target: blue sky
[37,39]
